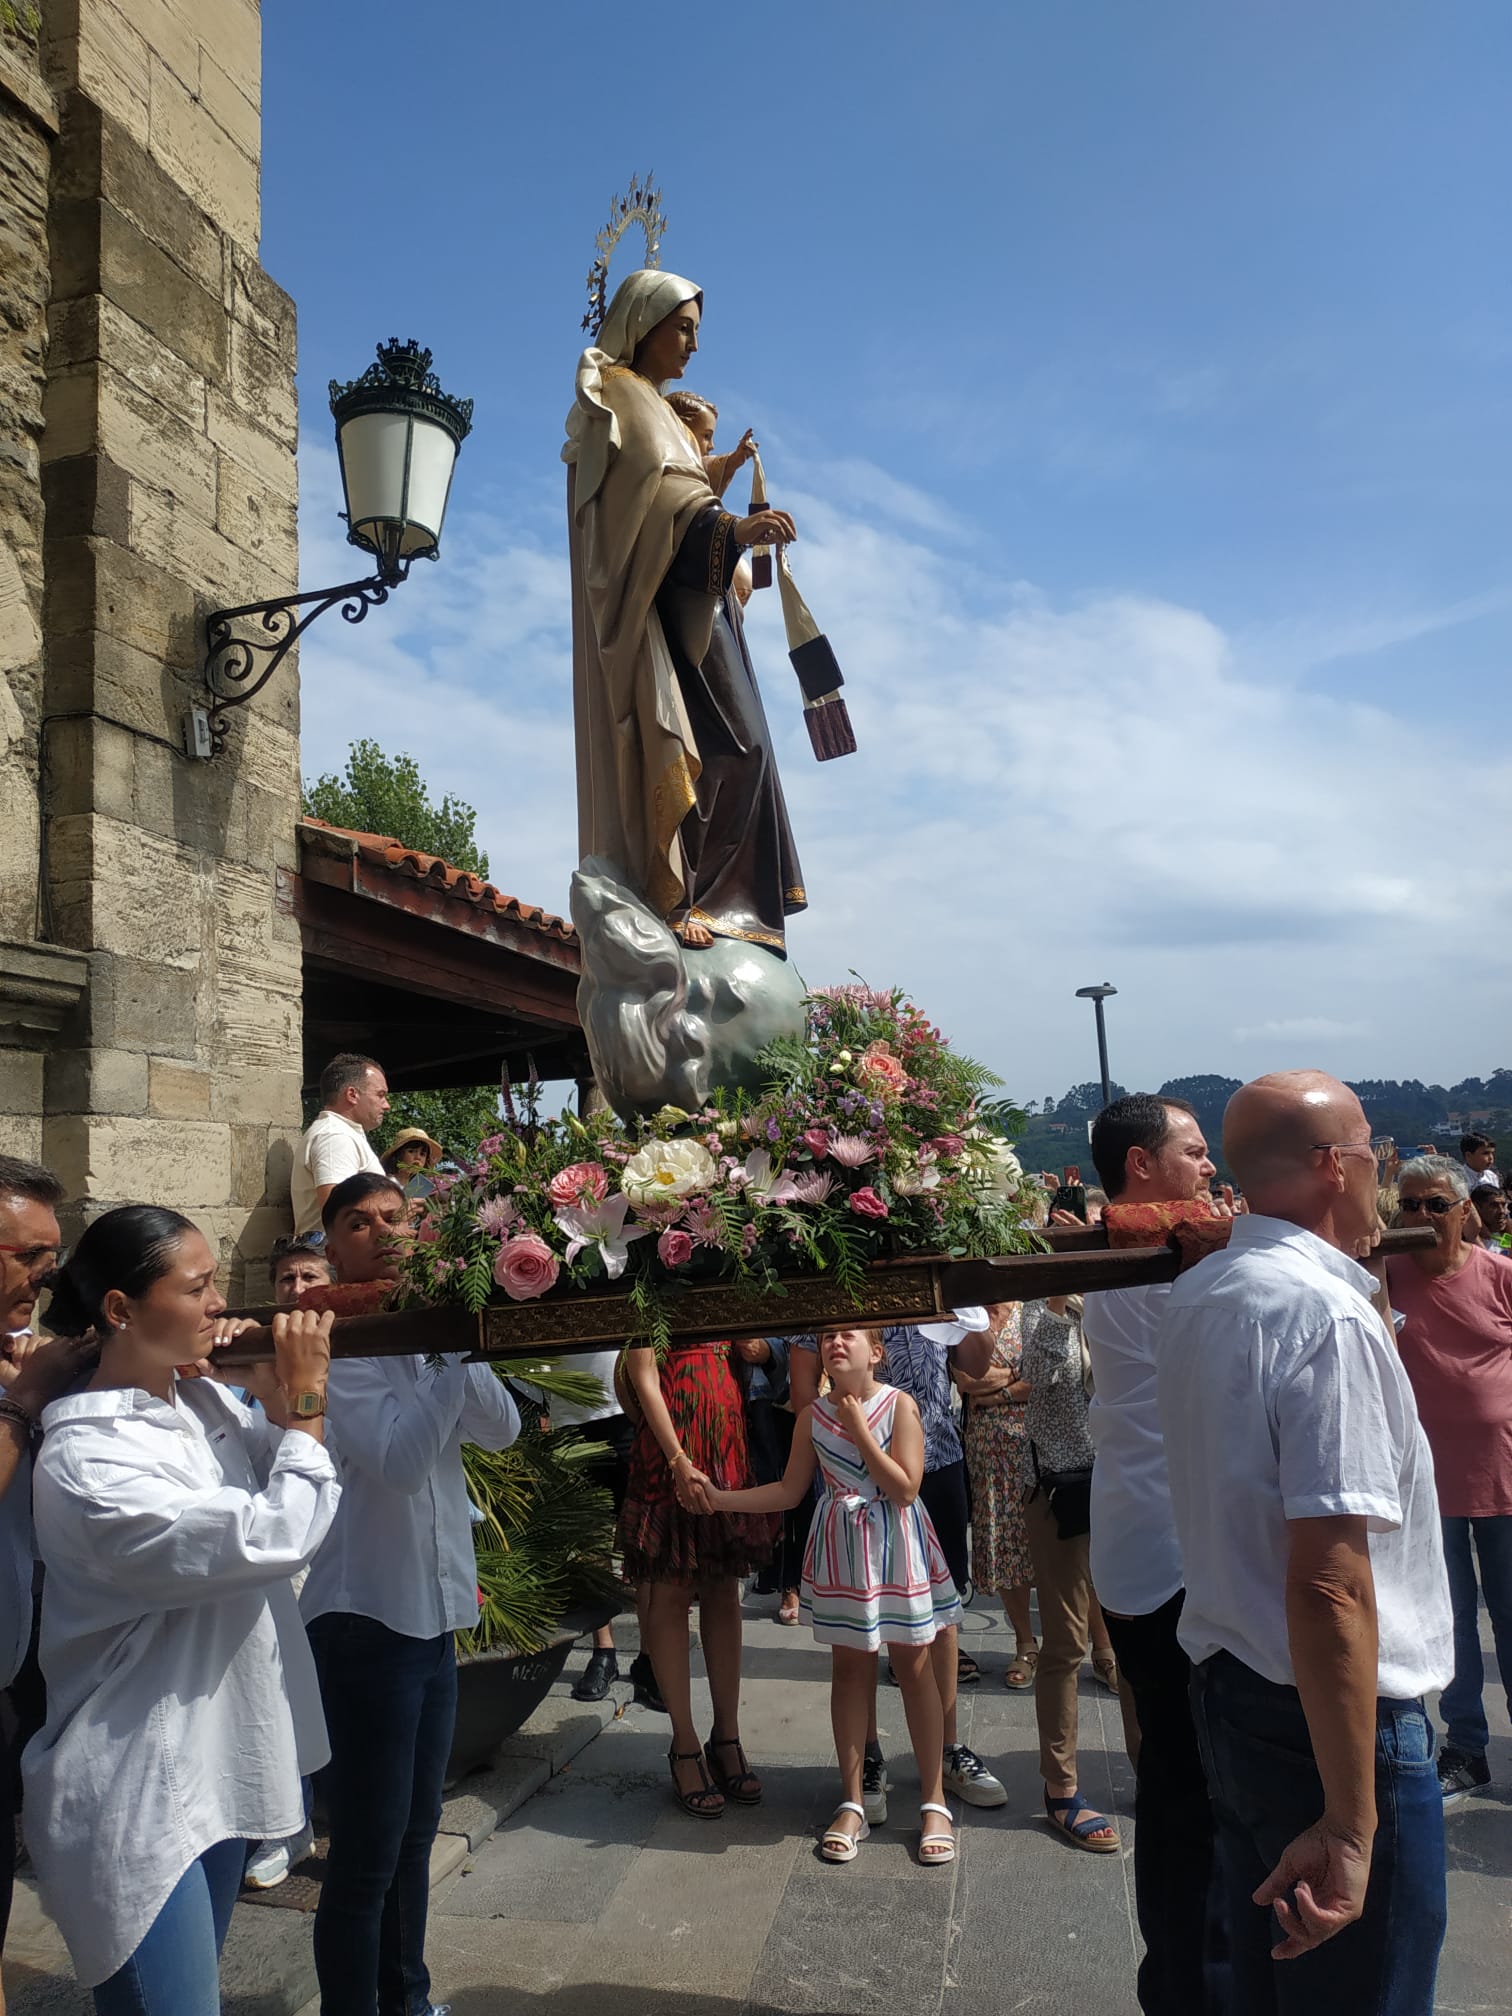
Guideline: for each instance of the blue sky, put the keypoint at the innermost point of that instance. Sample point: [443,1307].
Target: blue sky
[1139,380]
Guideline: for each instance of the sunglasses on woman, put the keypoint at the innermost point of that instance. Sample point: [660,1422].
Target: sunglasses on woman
[1437,1205]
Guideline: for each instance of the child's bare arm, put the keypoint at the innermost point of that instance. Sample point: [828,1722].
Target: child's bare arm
[720,469]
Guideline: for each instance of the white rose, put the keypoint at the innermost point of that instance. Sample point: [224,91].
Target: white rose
[665,1169]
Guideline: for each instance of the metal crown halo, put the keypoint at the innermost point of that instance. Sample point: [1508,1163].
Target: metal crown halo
[641,204]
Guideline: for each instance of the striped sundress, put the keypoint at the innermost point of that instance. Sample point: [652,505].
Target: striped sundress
[874,1573]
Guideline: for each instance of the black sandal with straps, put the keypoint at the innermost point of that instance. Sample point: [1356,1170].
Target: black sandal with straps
[707,1803]
[743,1786]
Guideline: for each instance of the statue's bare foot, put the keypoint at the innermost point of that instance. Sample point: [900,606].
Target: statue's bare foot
[694,935]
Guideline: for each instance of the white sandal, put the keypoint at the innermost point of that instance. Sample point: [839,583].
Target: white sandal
[941,1847]
[835,1844]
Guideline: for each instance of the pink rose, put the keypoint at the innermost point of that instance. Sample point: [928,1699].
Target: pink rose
[867,1204]
[526,1267]
[816,1140]
[880,1071]
[674,1248]
[581,1183]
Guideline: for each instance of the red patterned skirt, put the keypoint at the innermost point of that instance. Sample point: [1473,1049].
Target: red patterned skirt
[661,1542]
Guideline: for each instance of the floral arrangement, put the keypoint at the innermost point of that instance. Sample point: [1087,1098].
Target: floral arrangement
[871,1139]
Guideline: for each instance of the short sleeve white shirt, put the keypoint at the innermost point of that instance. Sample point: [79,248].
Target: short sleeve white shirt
[330,1149]
[1135,1555]
[1282,1397]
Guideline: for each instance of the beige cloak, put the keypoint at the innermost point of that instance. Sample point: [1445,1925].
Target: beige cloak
[635,483]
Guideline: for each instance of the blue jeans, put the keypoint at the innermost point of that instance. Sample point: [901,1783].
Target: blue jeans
[1265,1791]
[1463,1708]
[390,1706]
[175,1971]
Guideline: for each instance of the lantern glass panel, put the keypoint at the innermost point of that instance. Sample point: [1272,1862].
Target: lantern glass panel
[397,469]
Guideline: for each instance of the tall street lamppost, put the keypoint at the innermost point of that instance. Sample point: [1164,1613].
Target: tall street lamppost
[397,437]
[1097,996]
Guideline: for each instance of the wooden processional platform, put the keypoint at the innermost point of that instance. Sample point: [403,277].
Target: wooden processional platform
[915,1290]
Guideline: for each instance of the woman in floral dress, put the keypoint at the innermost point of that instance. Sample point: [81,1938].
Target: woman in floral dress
[1001,1470]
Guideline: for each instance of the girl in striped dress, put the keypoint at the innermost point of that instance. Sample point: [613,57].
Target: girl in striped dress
[874,1574]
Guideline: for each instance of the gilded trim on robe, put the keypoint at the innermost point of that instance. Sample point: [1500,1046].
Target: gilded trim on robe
[799,895]
[717,546]
[773,938]
[672,800]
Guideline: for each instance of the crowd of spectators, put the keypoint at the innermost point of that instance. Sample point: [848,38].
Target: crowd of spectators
[1266,1501]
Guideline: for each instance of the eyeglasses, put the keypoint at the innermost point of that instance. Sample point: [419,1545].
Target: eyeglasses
[46,1258]
[1437,1205]
[1344,1148]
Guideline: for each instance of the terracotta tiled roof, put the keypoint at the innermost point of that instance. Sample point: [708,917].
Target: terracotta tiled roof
[377,850]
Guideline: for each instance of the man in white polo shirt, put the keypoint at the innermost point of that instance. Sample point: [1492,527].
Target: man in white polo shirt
[353,1099]
[1317,1607]
[1150,1150]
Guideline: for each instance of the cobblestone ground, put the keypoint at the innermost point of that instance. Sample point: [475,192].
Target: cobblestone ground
[600,1895]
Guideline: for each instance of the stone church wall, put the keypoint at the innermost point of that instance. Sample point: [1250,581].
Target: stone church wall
[147,462]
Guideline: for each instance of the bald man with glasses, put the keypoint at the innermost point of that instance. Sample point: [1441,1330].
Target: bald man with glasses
[1317,1614]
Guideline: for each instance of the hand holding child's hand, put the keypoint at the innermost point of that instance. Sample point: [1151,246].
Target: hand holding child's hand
[694,1490]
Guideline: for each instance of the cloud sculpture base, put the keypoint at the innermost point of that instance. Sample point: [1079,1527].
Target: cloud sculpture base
[668,1024]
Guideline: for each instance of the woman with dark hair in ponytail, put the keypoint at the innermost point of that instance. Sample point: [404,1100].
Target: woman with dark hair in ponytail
[182,1704]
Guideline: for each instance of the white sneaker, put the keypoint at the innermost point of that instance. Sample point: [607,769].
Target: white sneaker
[273,1861]
[968,1777]
[268,1867]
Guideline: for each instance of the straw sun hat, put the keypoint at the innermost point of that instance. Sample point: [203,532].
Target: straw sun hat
[405,1138]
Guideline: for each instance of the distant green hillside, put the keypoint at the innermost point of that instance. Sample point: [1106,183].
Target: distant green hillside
[1412,1113]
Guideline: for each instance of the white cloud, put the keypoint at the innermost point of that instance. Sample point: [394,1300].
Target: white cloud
[1045,794]
[1302,1029]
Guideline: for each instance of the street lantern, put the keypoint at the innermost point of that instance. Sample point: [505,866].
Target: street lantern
[1097,996]
[397,437]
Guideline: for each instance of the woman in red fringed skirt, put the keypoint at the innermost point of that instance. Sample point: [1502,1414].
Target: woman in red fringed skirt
[692,1417]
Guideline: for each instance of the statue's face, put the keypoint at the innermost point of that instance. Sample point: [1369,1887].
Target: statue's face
[663,353]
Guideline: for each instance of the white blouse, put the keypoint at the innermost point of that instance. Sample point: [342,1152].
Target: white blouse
[182,1703]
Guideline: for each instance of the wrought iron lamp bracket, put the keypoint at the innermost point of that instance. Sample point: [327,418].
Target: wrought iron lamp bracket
[231,662]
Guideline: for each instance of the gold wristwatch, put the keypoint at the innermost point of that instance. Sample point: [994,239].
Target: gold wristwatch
[306,1406]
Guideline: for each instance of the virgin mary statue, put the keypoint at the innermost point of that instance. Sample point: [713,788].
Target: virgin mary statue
[677,786]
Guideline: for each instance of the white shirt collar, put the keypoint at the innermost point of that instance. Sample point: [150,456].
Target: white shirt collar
[330,1113]
[1253,1228]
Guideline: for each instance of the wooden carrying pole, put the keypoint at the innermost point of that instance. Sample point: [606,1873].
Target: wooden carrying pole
[901,1291]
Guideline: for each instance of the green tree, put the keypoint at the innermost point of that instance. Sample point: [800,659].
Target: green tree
[386,794]
[379,793]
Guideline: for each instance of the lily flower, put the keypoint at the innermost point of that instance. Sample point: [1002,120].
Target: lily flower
[759,1179]
[601,1225]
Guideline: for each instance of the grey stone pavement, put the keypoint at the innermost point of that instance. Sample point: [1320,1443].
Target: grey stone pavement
[597,1895]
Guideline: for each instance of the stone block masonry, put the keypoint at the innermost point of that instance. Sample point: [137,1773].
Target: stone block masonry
[148,428]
